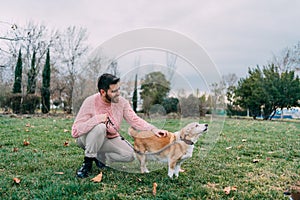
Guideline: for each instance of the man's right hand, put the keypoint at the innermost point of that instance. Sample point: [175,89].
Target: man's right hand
[102,118]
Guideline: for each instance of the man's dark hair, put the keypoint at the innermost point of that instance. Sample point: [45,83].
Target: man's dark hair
[105,80]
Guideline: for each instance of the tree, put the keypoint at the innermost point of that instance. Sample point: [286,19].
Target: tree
[71,49]
[134,96]
[170,104]
[264,91]
[249,93]
[154,88]
[17,88]
[189,106]
[289,89]
[32,74]
[217,96]
[46,85]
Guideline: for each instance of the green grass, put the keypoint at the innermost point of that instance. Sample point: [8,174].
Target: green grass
[276,146]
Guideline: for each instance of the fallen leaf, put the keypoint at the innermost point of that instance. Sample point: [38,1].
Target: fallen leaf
[66,130]
[234,188]
[28,125]
[97,178]
[16,180]
[66,144]
[227,190]
[255,160]
[181,170]
[227,148]
[212,185]
[15,149]
[26,143]
[59,173]
[244,140]
[154,189]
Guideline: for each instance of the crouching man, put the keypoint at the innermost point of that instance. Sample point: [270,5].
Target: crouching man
[100,140]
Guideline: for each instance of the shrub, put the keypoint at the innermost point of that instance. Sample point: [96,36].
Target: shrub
[30,103]
[15,102]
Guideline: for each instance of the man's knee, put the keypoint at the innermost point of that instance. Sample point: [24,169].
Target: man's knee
[99,129]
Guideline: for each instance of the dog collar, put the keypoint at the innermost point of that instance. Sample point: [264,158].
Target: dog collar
[188,142]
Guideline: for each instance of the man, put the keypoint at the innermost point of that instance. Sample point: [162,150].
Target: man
[100,140]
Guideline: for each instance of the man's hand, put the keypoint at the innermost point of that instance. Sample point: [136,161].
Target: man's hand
[159,132]
[102,118]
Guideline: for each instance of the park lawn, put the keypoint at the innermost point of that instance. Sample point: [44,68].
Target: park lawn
[250,160]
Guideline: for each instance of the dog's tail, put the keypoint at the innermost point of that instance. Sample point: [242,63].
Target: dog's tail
[132,132]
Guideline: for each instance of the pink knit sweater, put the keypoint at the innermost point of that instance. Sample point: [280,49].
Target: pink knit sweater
[93,106]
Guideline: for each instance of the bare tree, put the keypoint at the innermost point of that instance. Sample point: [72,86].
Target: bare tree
[30,38]
[218,95]
[71,50]
[288,59]
[171,64]
[86,83]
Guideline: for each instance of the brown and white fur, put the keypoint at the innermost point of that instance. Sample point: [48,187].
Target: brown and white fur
[174,148]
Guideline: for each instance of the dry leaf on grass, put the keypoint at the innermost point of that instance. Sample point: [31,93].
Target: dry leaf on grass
[15,149]
[212,185]
[228,189]
[97,178]
[16,180]
[26,143]
[255,160]
[154,189]
[66,130]
[227,148]
[66,144]
[59,173]
[181,170]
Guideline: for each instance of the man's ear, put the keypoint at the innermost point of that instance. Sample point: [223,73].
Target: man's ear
[102,92]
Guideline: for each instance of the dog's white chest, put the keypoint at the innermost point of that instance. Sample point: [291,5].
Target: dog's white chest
[189,152]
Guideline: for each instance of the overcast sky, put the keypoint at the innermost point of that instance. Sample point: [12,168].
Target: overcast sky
[236,34]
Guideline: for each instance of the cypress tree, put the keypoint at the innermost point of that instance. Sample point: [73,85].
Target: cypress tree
[17,88]
[134,97]
[46,85]
[31,84]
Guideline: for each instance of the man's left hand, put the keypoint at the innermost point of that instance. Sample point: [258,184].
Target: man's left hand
[159,132]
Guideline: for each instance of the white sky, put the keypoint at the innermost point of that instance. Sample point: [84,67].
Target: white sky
[236,34]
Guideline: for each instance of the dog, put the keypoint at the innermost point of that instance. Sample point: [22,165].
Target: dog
[174,148]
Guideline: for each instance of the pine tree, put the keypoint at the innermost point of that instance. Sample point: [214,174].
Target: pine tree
[31,84]
[134,97]
[17,88]
[46,85]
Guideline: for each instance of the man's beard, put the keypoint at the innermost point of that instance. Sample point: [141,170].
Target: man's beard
[111,100]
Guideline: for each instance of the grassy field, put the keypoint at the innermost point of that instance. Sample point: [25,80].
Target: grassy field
[250,160]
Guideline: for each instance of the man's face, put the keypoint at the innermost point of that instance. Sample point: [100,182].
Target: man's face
[113,93]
